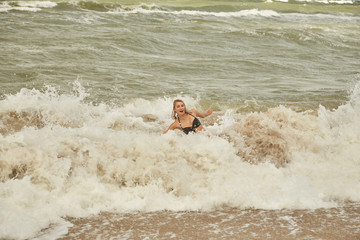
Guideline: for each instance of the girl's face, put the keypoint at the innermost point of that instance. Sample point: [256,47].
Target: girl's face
[179,108]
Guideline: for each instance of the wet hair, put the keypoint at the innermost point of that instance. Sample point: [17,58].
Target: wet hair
[174,115]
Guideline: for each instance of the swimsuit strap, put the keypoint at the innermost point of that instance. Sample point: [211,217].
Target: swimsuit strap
[180,122]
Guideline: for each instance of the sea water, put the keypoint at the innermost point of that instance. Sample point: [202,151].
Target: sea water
[87,90]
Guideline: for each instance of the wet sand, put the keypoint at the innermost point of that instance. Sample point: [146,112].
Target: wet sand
[334,223]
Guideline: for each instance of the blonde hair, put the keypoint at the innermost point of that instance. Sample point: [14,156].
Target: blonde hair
[173,114]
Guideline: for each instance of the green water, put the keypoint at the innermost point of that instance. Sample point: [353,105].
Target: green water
[225,51]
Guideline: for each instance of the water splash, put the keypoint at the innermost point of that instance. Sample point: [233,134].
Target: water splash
[76,158]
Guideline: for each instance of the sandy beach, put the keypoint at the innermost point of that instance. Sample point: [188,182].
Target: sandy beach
[334,223]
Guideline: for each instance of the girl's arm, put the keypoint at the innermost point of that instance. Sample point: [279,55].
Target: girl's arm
[202,115]
[171,127]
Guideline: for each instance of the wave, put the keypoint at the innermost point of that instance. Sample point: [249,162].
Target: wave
[201,9]
[63,156]
[30,6]
[318,1]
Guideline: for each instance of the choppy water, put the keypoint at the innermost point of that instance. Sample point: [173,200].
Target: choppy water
[87,89]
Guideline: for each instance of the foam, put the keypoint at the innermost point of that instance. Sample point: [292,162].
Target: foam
[63,156]
[242,13]
[318,1]
[31,6]
[153,9]
[149,9]
[329,1]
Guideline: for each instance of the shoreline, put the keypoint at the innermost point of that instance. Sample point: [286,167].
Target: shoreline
[333,223]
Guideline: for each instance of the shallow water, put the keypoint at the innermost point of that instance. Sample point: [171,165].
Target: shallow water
[333,223]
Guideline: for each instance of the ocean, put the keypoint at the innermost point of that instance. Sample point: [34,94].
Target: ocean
[86,92]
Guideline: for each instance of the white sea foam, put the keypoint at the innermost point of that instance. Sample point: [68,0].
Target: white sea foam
[31,6]
[61,156]
[242,13]
[151,9]
[329,1]
[248,13]
[317,1]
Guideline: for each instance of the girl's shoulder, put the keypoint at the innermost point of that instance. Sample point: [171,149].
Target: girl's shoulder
[192,112]
[175,124]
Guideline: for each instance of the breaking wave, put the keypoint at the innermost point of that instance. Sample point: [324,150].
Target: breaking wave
[63,156]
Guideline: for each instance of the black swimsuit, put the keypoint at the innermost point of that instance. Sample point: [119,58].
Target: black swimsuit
[195,124]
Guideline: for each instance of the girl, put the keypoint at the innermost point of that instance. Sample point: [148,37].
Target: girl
[186,121]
